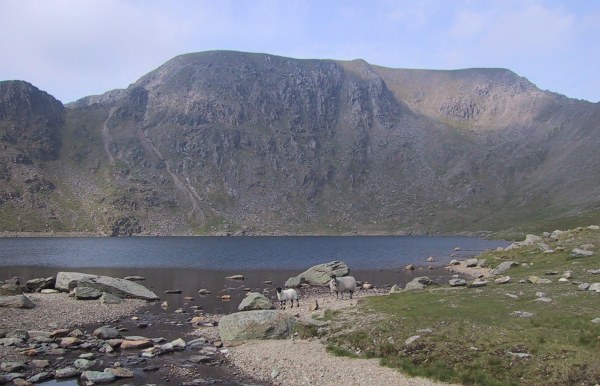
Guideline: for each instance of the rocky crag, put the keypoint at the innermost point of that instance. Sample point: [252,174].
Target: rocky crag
[237,143]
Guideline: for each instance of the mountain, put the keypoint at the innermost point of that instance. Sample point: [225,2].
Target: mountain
[228,142]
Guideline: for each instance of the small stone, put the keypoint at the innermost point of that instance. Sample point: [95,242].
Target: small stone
[594,271]
[594,287]
[120,372]
[577,252]
[544,300]
[40,363]
[430,259]
[135,344]
[70,342]
[563,280]
[39,377]
[411,340]
[83,364]
[225,297]
[106,332]
[522,314]
[596,320]
[173,291]
[98,376]
[502,280]
[457,282]
[478,283]
[454,262]
[179,344]
[67,372]
[274,374]
[203,291]
[469,263]
[409,267]
[583,286]
[235,277]
[12,367]
[199,359]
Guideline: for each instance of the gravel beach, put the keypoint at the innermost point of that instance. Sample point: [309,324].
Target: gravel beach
[306,362]
[54,311]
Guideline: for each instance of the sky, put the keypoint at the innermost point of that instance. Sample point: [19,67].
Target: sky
[75,48]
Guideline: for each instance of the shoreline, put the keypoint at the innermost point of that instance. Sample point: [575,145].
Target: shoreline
[477,234]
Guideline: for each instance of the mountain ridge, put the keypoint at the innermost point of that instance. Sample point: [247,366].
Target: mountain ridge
[227,142]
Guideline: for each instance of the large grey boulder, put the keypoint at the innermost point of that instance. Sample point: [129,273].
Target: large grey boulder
[419,283]
[255,301]
[505,265]
[259,324]
[10,289]
[16,301]
[319,274]
[36,285]
[66,281]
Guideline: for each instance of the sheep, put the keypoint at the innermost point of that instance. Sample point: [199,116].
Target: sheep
[342,284]
[283,295]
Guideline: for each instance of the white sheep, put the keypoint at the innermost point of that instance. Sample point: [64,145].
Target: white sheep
[342,284]
[287,294]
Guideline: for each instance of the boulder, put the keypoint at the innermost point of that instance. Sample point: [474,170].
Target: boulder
[16,301]
[136,344]
[478,283]
[37,285]
[259,324]
[86,293]
[538,280]
[9,289]
[395,289]
[454,262]
[578,252]
[419,283]
[98,376]
[255,301]
[471,263]
[106,332]
[66,372]
[66,281]
[107,298]
[594,287]
[505,265]
[319,274]
[457,282]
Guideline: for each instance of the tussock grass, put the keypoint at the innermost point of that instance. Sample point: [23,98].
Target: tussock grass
[474,339]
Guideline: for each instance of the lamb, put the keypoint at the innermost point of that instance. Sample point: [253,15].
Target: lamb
[283,295]
[342,284]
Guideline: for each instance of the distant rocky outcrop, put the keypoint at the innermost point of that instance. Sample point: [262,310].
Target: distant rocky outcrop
[235,143]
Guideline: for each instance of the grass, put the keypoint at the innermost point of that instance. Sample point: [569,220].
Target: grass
[473,337]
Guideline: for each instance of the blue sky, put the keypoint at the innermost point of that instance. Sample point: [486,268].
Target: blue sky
[73,48]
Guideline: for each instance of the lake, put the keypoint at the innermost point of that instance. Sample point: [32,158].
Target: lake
[192,263]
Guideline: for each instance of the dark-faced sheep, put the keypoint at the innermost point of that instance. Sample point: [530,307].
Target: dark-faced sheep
[342,284]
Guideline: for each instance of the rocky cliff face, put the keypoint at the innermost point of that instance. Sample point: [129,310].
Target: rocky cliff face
[229,142]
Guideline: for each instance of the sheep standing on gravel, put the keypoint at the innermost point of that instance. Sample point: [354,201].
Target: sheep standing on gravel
[283,295]
[342,284]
